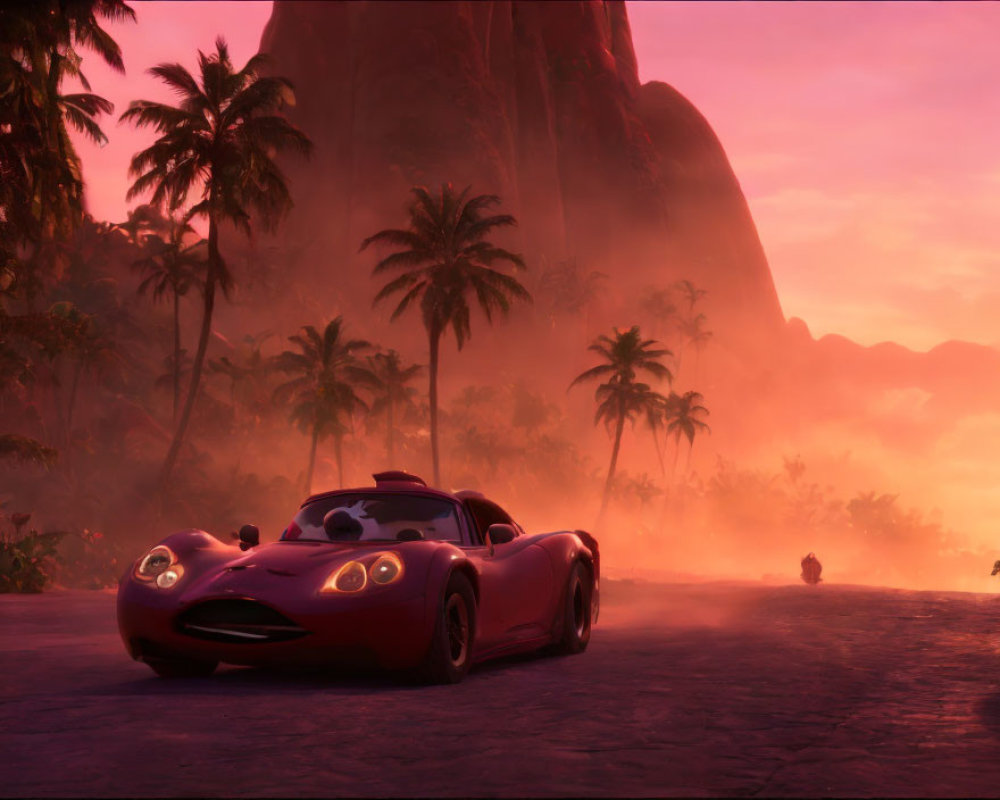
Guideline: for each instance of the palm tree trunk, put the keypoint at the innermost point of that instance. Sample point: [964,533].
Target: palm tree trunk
[435,339]
[390,443]
[659,455]
[312,459]
[673,466]
[199,359]
[177,353]
[619,427]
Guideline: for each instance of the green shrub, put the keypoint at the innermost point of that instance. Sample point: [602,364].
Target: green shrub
[27,560]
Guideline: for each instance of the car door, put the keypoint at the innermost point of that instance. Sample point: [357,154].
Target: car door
[515,586]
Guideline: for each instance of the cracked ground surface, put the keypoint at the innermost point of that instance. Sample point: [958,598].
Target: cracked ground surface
[710,689]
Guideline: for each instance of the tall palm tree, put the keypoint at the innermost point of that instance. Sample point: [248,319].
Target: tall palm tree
[684,412]
[621,397]
[444,258]
[220,141]
[391,392]
[170,265]
[322,393]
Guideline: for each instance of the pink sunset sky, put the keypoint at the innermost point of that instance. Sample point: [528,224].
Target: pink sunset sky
[865,136]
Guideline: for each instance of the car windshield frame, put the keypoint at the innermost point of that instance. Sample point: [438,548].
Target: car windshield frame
[346,499]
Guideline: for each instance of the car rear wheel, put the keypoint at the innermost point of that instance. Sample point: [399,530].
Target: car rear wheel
[449,657]
[181,667]
[577,611]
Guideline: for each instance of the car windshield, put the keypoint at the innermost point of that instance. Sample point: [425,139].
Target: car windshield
[352,517]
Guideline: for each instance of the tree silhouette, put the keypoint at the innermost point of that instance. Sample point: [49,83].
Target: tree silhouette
[168,265]
[219,140]
[41,179]
[247,372]
[392,392]
[621,397]
[683,413]
[444,258]
[322,393]
[690,294]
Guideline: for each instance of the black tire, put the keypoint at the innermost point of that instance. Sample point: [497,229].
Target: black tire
[449,656]
[577,612]
[181,667]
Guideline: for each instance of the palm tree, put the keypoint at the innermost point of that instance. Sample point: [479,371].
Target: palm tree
[445,257]
[170,265]
[323,393]
[391,392]
[683,412]
[693,332]
[690,293]
[41,182]
[248,371]
[621,397]
[220,140]
[656,419]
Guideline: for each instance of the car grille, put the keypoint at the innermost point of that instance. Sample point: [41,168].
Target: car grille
[237,621]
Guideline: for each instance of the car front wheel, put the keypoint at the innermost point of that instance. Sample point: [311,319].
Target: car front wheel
[449,657]
[577,612]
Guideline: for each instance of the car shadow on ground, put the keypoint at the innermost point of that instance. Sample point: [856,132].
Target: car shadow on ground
[341,680]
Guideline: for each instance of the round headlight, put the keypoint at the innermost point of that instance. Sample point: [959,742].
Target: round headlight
[350,578]
[387,568]
[155,562]
[167,579]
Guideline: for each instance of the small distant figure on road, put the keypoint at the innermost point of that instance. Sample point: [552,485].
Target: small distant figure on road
[811,568]
[996,568]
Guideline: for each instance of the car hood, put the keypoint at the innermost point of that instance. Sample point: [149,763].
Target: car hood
[272,570]
[299,558]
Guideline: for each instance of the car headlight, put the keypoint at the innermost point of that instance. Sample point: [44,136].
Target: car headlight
[159,566]
[353,576]
[350,577]
[168,578]
[387,568]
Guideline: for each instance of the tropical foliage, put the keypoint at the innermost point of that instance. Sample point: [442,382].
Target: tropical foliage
[172,262]
[218,142]
[392,395]
[621,397]
[323,395]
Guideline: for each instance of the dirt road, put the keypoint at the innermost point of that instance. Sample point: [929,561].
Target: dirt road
[713,689]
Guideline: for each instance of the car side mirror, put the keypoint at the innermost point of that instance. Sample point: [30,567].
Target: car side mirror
[500,533]
[249,537]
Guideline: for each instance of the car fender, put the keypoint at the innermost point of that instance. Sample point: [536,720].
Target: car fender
[195,549]
[446,560]
[567,547]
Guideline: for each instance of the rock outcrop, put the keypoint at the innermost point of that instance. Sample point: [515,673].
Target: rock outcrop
[539,102]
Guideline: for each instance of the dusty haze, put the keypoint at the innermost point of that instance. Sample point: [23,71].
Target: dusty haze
[879,459]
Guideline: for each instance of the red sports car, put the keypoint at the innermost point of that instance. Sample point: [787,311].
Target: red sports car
[399,575]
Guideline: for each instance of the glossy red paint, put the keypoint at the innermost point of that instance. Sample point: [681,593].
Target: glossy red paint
[265,606]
